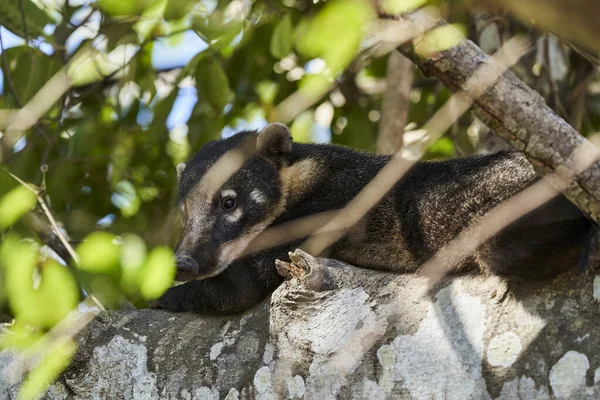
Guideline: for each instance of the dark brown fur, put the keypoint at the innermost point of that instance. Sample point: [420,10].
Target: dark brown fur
[425,210]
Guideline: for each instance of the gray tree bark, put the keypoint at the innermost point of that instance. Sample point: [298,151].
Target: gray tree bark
[336,331]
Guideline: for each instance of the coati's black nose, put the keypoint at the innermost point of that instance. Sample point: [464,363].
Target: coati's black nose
[187,267]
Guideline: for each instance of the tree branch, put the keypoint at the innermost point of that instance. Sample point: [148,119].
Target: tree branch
[520,116]
[395,103]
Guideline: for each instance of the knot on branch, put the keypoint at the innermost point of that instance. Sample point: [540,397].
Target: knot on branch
[305,271]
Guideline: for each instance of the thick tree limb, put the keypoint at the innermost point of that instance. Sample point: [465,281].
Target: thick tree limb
[336,331]
[520,116]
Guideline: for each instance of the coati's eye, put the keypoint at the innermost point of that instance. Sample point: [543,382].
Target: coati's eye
[228,203]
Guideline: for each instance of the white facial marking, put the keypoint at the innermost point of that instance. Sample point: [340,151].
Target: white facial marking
[258,196]
[228,193]
[234,216]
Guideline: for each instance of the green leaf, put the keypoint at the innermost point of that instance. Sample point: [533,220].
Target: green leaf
[178,8]
[282,39]
[45,300]
[267,90]
[99,253]
[158,273]
[335,33]
[55,360]
[133,255]
[213,84]
[15,204]
[397,7]
[128,7]
[302,127]
[12,19]
[29,70]
[443,148]
[440,39]
[126,199]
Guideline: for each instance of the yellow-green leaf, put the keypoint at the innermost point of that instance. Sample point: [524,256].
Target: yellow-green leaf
[43,300]
[282,39]
[302,127]
[178,8]
[158,273]
[133,255]
[336,32]
[397,7]
[55,360]
[99,253]
[15,204]
[440,39]
[128,7]
[267,90]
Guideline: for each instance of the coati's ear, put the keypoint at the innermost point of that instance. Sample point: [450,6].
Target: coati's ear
[180,167]
[274,140]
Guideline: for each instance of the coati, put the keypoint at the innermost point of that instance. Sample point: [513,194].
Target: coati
[279,180]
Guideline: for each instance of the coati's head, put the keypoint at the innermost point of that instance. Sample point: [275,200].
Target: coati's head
[229,192]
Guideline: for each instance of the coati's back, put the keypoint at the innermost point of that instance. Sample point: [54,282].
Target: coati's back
[273,181]
[435,201]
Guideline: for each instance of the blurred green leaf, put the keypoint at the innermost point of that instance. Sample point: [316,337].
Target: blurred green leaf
[440,149]
[335,33]
[129,7]
[397,7]
[282,39]
[15,204]
[126,199]
[38,297]
[178,8]
[302,127]
[99,253]
[29,70]
[439,39]
[315,84]
[133,255]
[21,336]
[55,360]
[213,83]
[267,90]
[158,273]
[12,19]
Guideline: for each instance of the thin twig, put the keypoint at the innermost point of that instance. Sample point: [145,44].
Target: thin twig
[24,21]
[56,229]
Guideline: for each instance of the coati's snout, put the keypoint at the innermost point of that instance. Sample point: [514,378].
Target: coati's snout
[229,193]
[187,267]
